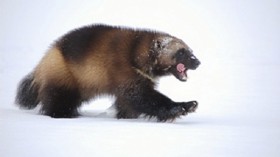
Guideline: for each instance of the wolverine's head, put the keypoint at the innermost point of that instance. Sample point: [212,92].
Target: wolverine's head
[173,56]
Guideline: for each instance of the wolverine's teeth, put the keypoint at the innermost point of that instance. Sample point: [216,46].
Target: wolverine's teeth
[184,78]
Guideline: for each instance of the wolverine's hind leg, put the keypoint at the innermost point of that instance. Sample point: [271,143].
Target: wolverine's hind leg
[60,101]
[58,91]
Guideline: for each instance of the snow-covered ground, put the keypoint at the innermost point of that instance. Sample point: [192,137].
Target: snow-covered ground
[237,85]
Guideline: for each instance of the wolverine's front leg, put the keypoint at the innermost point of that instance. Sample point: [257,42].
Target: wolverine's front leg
[157,105]
[143,99]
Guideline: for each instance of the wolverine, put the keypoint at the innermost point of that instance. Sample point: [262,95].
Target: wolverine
[101,60]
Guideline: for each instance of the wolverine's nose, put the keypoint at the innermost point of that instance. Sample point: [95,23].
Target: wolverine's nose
[197,63]
[194,62]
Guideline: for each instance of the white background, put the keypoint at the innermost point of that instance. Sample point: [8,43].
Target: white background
[237,85]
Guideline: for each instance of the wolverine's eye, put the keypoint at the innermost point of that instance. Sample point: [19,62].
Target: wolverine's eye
[181,52]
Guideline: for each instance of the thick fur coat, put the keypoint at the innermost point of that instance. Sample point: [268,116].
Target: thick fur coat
[104,60]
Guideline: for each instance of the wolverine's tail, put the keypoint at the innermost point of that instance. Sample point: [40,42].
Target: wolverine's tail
[27,93]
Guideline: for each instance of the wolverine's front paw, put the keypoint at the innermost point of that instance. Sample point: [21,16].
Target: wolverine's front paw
[177,110]
[188,107]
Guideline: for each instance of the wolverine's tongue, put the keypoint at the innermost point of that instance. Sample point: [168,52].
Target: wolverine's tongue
[181,69]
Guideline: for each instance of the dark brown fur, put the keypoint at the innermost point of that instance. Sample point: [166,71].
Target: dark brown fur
[97,60]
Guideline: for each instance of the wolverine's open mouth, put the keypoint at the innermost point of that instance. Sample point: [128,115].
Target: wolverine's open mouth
[180,72]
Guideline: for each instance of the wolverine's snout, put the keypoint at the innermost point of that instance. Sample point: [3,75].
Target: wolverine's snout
[193,62]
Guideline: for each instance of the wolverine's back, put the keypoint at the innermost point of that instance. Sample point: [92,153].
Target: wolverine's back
[101,57]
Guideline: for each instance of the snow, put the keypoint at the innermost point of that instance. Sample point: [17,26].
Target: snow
[237,84]
[166,41]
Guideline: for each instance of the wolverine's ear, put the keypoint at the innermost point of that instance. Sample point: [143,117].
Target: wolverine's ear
[158,45]
[162,42]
